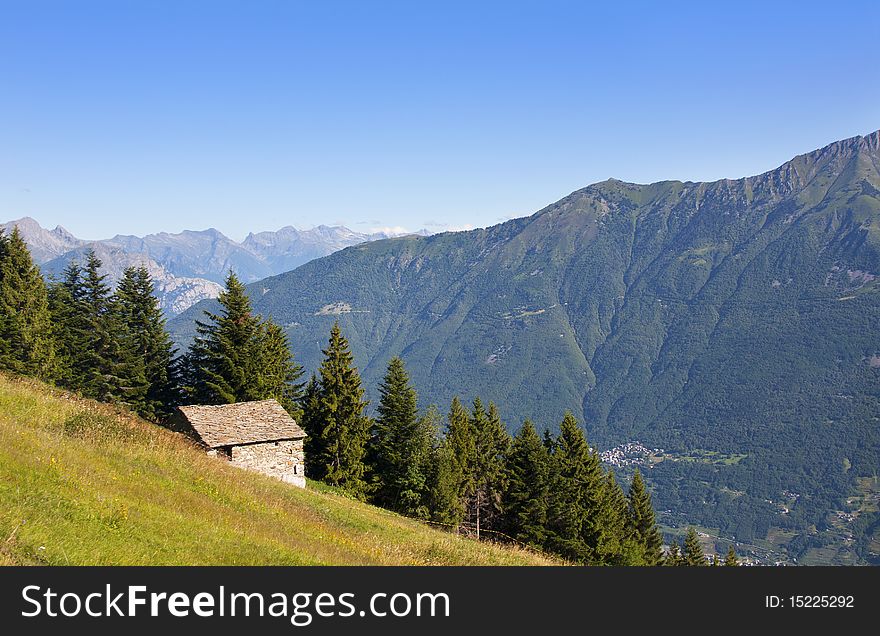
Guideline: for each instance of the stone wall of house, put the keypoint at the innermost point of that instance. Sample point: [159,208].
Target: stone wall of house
[284,460]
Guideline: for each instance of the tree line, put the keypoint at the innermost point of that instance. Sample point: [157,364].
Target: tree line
[550,493]
[463,471]
[112,345]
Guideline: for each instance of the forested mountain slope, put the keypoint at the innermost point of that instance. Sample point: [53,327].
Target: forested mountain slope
[738,318]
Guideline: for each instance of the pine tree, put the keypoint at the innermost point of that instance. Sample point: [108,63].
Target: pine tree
[642,521]
[673,556]
[399,445]
[416,482]
[576,492]
[107,368]
[444,492]
[26,340]
[277,371]
[548,440]
[343,429]
[397,415]
[314,447]
[145,334]
[238,357]
[224,359]
[731,560]
[693,552]
[491,444]
[69,328]
[462,450]
[615,544]
[525,499]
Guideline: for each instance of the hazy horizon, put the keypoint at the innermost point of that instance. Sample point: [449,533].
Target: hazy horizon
[237,238]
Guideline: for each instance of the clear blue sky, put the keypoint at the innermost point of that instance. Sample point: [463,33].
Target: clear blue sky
[137,117]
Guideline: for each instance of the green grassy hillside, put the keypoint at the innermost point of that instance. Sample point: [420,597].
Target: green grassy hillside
[86,484]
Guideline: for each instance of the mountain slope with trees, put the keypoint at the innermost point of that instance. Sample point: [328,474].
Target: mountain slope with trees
[111,489]
[736,317]
[114,348]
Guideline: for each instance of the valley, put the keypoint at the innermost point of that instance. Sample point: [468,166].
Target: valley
[737,317]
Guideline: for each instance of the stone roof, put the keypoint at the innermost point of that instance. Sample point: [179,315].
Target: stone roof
[242,423]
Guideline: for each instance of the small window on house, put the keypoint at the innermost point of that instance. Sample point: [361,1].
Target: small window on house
[225,452]
[294,469]
[277,443]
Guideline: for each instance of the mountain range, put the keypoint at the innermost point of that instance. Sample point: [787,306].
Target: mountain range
[730,327]
[189,266]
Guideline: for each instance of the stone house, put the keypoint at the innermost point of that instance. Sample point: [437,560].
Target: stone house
[258,436]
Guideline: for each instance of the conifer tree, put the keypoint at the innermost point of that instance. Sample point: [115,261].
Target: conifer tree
[548,440]
[238,357]
[576,494]
[399,445]
[277,371]
[144,331]
[395,423]
[342,428]
[525,499]
[310,406]
[69,327]
[462,450]
[445,503]
[108,368]
[615,544]
[673,556]
[26,340]
[224,358]
[692,554]
[642,520]
[491,444]
[417,480]
[730,559]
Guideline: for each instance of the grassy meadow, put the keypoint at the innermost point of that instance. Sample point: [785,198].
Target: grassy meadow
[83,483]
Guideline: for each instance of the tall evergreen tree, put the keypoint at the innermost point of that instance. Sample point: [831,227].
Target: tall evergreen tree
[548,440]
[462,450]
[238,357]
[277,370]
[223,361]
[730,559]
[491,444]
[673,556]
[525,499]
[26,340]
[643,524]
[310,420]
[445,504]
[693,554]
[417,480]
[145,334]
[396,420]
[108,369]
[615,543]
[343,428]
[69,328]
[399,446]
[576,495]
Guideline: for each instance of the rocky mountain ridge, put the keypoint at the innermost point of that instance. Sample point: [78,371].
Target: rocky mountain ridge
[190,266]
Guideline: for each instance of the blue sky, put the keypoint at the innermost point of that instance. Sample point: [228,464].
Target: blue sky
[137,117]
